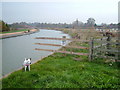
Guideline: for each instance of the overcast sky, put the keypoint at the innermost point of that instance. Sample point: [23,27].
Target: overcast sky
[119,12]
[55,11]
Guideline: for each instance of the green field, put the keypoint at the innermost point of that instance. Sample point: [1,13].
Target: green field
[14,31]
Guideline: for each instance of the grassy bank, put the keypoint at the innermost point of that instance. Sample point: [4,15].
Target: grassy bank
[62,71]
[67,71]
[14,31]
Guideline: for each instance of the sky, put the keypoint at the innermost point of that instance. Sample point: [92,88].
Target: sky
[119,12]
[63,11]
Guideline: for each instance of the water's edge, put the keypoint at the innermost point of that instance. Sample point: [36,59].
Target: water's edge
[23,67]
[4,76]
[20,34]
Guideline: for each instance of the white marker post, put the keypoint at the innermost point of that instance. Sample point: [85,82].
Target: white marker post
[64,41]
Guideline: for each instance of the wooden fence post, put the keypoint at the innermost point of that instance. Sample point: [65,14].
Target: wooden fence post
[103,41]
[91,49]
[117,55]
[108,43]
[101,45]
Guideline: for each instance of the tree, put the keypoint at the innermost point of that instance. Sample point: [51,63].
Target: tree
[77,24]
[91,22]
[118,25]
[4,26]
[95,25]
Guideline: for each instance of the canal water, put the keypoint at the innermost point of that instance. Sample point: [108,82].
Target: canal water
[15,49]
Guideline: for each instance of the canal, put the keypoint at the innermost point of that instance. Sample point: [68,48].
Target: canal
[15,49]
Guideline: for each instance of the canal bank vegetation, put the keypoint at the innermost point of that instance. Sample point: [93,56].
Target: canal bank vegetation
[82,34]
[12,31]
[6,28]
[67,71]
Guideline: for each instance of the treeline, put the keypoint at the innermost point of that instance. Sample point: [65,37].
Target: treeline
[4,26]
[40,25]
[76,24]
[64,25]
[20,25]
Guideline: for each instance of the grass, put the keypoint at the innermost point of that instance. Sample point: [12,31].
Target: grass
[14,31]
[63,71]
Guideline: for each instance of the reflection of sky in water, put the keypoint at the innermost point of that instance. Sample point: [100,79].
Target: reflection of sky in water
[17,48]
